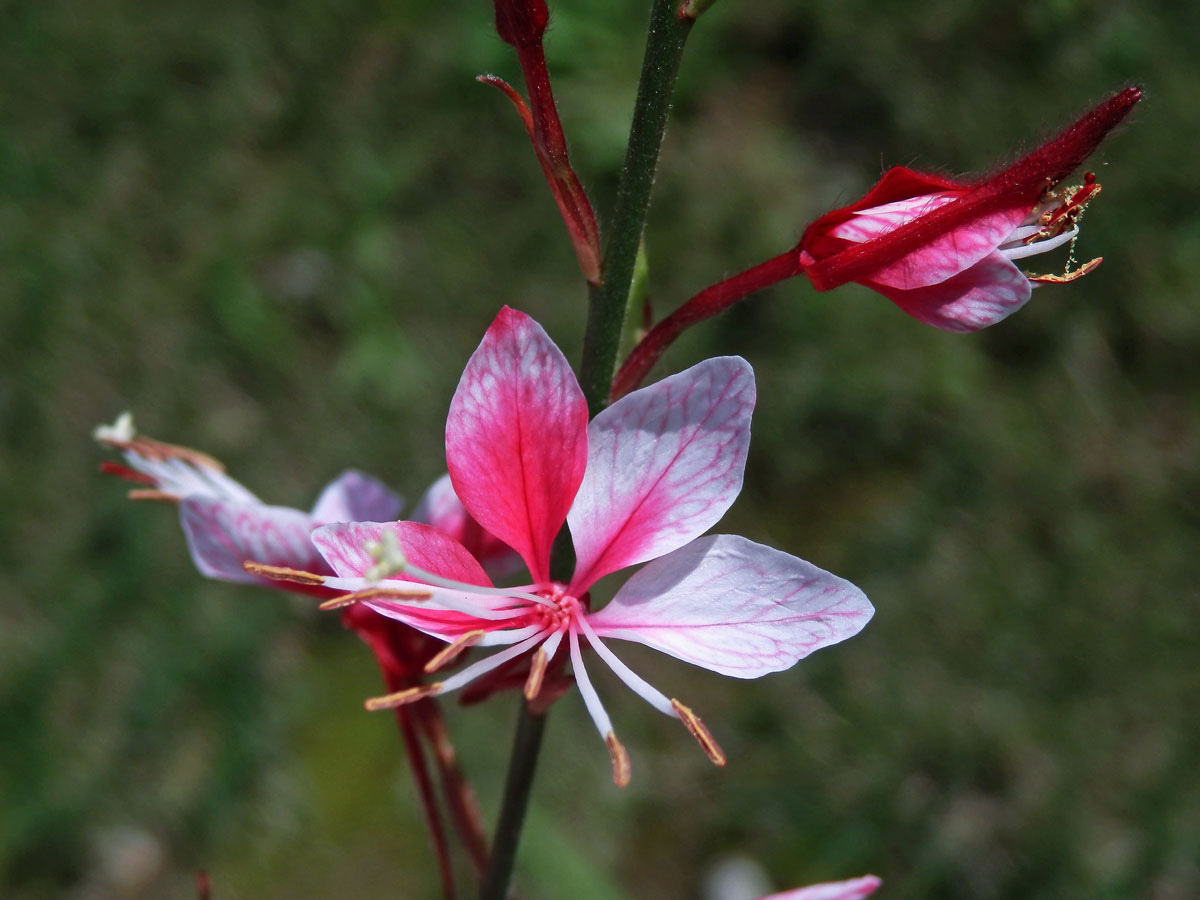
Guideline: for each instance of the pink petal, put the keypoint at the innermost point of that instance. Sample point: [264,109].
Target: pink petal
[943,256]
[733,606]
[664,463]
[853,889]
[989,291]
[343,545]
[222,534]
[355,497]
[516,437]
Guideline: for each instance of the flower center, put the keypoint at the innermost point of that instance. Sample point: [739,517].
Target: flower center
[562,609]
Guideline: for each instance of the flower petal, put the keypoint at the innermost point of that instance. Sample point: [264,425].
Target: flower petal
[344,547]
[944,255]
[991,290]
[664,463]
[441,508]
[733,606]
[516,437]
[222,534]
[854,889]
[355,497]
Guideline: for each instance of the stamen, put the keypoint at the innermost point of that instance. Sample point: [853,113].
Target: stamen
[700,732]
[475,670]
[153,494]
[632,680]
[282,573]
[1068,276]
[111,468]
[451,652]
[449,584]
[620,760]
[400,698]
[376,594]
[537,672]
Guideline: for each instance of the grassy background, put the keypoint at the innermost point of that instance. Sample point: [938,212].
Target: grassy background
[276,231]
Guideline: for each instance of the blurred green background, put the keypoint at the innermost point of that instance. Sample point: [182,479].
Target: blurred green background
[276,231]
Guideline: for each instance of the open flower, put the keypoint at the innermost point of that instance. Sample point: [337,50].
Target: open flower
[944,251]
[640,484]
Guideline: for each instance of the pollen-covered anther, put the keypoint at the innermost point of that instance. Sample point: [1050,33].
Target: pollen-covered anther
[620,760]
[153,494]
[700,732]
[400,698]
[451,652]
[376,593]
[537,673]
[1068,276]
[282,573]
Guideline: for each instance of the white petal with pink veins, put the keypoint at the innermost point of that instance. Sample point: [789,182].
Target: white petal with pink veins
[991,290]
[355,497]
[664,464]
[733,606]
[222,535]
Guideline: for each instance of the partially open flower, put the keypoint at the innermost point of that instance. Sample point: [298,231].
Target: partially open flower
[944,251]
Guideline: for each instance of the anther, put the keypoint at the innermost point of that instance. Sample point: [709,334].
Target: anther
[537,672]
[620,760]
[450,653]
[282,573]
[1069,276]
[400,698]
[377,593]
[699,732]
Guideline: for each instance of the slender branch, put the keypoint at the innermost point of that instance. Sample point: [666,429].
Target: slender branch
[710,301]
[416,758]
[606,311]
[522,764]
[464,809]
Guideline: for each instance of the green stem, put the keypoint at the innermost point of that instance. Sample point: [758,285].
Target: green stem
[526,744]
[606,309]
[606,318]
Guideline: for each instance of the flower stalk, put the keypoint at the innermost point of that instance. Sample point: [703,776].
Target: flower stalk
[607,307]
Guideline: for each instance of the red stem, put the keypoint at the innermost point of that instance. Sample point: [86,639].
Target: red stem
[433,820]
[550,143]
[710,301]
[464,809]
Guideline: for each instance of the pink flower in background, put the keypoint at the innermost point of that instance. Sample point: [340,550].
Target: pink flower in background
[640,484]
[854,889]
[944,251]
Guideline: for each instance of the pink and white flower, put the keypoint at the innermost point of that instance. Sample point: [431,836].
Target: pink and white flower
[638,484]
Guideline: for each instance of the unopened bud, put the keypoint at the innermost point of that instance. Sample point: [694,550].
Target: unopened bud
[521,22]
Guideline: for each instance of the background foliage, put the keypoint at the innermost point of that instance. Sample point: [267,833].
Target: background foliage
[276,231]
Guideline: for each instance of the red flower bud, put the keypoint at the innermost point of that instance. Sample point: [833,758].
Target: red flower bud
[943,250]
[521,22]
